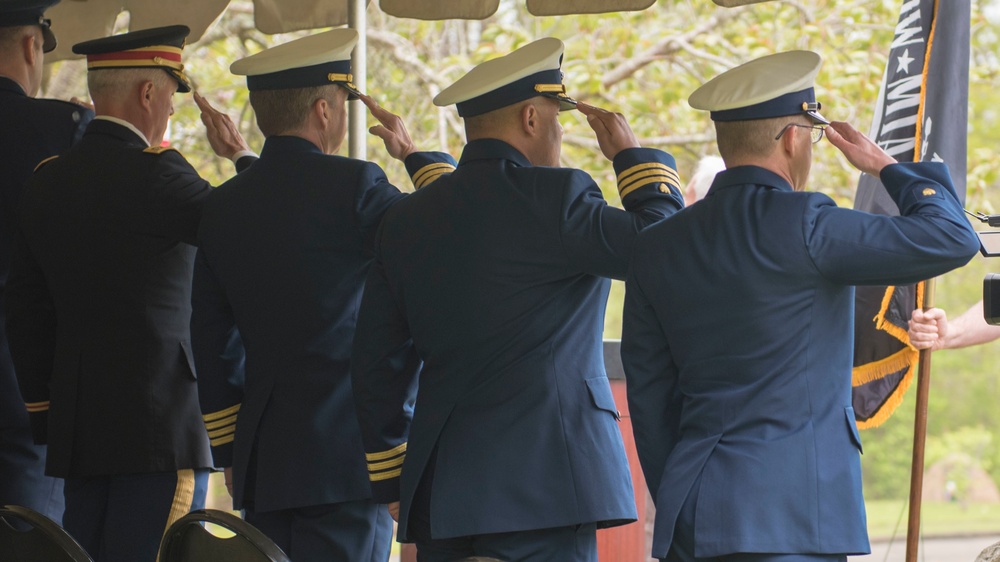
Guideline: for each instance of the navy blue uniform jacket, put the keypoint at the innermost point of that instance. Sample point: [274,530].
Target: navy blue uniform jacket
[737,346]
[284,250]
[31,130]
[99,307]
[498,276]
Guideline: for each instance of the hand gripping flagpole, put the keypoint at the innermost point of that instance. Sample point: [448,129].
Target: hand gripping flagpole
[919,438]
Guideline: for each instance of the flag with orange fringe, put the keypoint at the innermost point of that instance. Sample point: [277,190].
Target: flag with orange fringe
[922,115]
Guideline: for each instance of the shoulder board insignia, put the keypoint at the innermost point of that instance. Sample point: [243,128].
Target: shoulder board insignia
[160,149]
[46,161]
[928,191]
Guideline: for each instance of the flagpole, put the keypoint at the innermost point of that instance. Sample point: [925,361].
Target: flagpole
[919,438]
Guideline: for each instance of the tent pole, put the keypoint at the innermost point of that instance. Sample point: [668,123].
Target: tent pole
[357,113]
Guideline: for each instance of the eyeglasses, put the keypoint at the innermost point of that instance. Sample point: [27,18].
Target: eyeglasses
[816,134]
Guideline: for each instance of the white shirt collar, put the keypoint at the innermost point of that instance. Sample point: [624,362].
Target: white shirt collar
[125,124]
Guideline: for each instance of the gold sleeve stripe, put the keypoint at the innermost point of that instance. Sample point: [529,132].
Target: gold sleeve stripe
[653,179]
[644,175]
[391,463]
[385,475]
[215,416]
[430,168]
[33,407]
[221,440]
[430,179]
[648,166]
[231,420]
[397,450]
[221,432]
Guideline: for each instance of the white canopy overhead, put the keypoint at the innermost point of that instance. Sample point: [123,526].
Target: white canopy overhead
[80,20]
[74,21]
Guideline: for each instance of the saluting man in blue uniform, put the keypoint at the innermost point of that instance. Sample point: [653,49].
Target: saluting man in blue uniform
[738,326]
[496,277]
[284,249]
[31,130]
[99,304]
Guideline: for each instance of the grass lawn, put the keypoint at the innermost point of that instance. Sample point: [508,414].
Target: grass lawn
[936,518]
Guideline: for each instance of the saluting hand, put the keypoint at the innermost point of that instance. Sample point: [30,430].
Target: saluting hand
[222,133]
[392,130]
[860,150]
[613,132]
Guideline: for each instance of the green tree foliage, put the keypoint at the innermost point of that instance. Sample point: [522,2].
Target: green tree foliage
[645,65]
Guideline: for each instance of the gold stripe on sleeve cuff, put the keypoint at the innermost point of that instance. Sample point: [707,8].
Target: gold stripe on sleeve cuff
[431,178]
[624,177]
[657,179]
[231,420]
[391,463]
[221,440]
[222,432]
[420,178]
[381,456]
[385,475]
[216,416]
[34,407]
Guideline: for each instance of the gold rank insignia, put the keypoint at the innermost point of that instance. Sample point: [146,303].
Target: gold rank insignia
[928,191]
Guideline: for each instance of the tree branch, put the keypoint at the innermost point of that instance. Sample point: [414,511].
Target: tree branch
[667,47]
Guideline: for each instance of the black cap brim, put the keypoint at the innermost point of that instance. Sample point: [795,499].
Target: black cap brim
[566,103]
[815,116]
[353,92]
[48,39]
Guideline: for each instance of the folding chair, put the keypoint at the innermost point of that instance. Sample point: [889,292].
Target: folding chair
[187,540]
[28,536]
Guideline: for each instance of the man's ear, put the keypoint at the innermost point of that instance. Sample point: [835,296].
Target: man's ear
[790,140]
[321,111]
[31,48]
[529,119]
[146,90]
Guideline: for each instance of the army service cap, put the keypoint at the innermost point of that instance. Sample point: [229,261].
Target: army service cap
[159,47]
[533,70]
[30,12]
[773,86]
[316,60]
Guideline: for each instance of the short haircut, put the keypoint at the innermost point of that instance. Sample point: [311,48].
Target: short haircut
[116,82]
[750,139]
[10,37]
[489,123]
[283,111]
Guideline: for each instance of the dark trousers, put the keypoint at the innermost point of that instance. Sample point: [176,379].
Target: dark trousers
[123,518]
[22,475]
[682,548]
[575,543]
[359,531]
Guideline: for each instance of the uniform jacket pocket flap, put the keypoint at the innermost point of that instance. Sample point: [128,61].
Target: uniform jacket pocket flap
[852,425]
[188,357]
[600,393]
